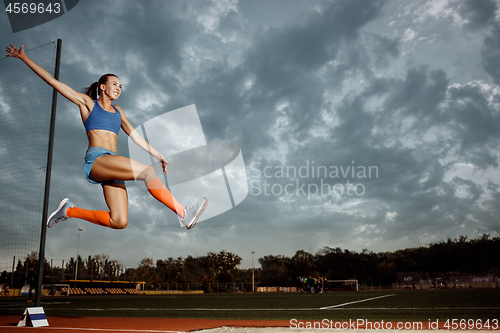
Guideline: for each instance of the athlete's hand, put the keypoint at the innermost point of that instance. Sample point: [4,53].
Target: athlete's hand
[14,52]
[164,164]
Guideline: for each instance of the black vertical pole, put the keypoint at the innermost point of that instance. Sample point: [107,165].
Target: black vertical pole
[41,253]
[13,272]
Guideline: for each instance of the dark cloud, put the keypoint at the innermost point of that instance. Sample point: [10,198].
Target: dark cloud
[281,67]
[478,13]
[418,95]
[475,122]
[490,54]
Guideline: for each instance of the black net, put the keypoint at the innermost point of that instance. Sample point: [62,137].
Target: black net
[25,110]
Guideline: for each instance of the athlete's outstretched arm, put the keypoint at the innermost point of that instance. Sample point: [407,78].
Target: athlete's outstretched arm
[74,96]
[139,140]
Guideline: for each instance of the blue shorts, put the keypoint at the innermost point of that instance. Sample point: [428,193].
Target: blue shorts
[90,156]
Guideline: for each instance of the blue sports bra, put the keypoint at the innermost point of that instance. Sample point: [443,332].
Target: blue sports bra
[102,119]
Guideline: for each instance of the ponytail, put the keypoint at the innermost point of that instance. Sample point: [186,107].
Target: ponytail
[93,91]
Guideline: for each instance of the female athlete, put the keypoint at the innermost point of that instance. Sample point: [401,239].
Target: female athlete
[102,121]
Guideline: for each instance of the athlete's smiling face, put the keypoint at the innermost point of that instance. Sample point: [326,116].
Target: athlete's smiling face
[112,88]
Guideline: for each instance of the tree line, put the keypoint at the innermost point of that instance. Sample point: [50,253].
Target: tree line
[459,256]
[205,270]
[462,256]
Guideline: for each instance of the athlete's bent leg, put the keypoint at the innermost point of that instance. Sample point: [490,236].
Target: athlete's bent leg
[122,168]
[117,200]
[116,167]
[67,209]
[161,193]
[98,217]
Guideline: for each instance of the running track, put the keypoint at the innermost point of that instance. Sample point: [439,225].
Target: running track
[151,325]
[154,325]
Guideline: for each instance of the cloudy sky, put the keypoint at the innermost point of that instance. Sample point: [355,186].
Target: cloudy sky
[390,107]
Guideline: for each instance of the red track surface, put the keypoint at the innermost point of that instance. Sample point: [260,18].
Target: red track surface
[112,324]
[159,325]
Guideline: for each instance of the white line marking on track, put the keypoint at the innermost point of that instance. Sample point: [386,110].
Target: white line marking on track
[442,308]
[334,307]
[100,329]
[362,300]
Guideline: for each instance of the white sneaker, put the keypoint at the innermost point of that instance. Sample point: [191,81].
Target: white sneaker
[193,212]
[60,213]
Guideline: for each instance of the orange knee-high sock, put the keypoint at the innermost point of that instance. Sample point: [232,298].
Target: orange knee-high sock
[161,193]
[98,217]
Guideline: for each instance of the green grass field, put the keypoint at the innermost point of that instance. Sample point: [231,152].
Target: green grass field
[422,305]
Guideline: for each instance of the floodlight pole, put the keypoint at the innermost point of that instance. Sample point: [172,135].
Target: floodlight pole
[77,251]
[253,274]
[41,253]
